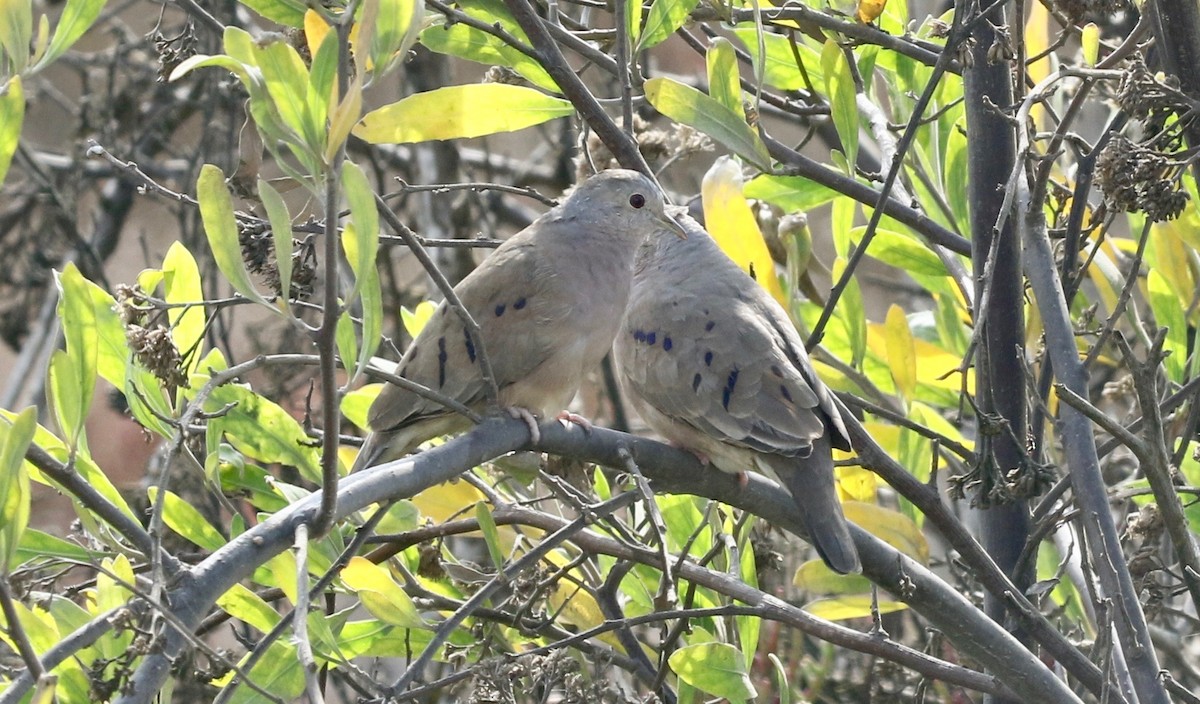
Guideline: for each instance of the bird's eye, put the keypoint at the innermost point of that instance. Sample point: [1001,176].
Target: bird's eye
[637,200]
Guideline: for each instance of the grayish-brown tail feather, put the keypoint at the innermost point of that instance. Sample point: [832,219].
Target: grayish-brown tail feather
[811,484]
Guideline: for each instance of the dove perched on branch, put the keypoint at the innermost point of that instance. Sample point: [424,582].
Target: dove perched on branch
[548,302]
[713,364]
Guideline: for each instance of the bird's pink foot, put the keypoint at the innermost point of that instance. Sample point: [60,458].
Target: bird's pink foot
[743,480]
[535,435]
[569,417]
[700,456]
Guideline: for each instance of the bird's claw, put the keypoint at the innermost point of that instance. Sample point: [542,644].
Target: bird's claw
[535,434]
[569,418]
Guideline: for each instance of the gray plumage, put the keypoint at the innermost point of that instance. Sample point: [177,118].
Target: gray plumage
[713,364]
[548,302]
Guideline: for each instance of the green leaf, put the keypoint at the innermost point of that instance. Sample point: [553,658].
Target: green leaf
[456,112]
[476,45]
[278,672]
[780,70]
[902,252]
[347,340]
[184,519]
[792,193]
[843,101]
[723,79]
[78,317]
[281,230]
[248,607]
[65,398]
[285,12]
[287,83]
[850,606]
[181,283]
[77,17]
[395,29]
[16,31]
[491,534]
[852,313]
[664,18]
[716,668]
[685,104]
[1169,313]
[380,594]
[15,437]
[12,116]
[220,226]
[814,576]
[361,242]
[36,545]
[262,430]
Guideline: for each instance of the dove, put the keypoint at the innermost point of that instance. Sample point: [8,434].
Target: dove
[548,302]
[712,363]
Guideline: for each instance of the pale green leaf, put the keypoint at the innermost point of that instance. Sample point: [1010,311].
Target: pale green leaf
[716,668]
[181,284]
[78,319]
[184,519]
[395,29]
[843,100]
[12,116]
[850,606]
[16,31]
[460,111]
[477,45]
[15,437]
[685,104]
[724,85]
[380,594]
[220,226]
[262,430]
[281,231]
[285,12]
[792,193]
[77,17]
[663,19]
[781,70]
[248,607]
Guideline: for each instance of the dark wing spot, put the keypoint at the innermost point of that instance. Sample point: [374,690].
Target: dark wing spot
[786,394]
[441,362]
[651,337]
[696,383]
[499,310]
[708,358]
[728,392]
[709,326]
[776,371]
[470,345]
[667,344]
[520,303]
[752,274]
[639,336]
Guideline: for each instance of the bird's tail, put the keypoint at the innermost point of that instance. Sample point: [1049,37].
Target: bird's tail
[811,483]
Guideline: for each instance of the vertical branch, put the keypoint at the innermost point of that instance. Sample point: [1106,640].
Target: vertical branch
[327,333]
[991,154]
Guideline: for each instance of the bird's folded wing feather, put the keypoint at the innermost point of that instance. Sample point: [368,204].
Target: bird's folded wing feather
[506,297]
[722,367]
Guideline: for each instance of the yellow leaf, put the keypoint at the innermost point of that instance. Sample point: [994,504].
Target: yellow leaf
[855,483]
[456,112]
[728,218]
[449,500]
[577,606]
[869,10]
[380,594]
[901,352]
[815,577]
[847,607]
[315,30]
[935,366]
[414,320]
[1089,40]
[892,527]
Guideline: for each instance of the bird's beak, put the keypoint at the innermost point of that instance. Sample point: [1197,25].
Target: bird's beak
[674,226]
